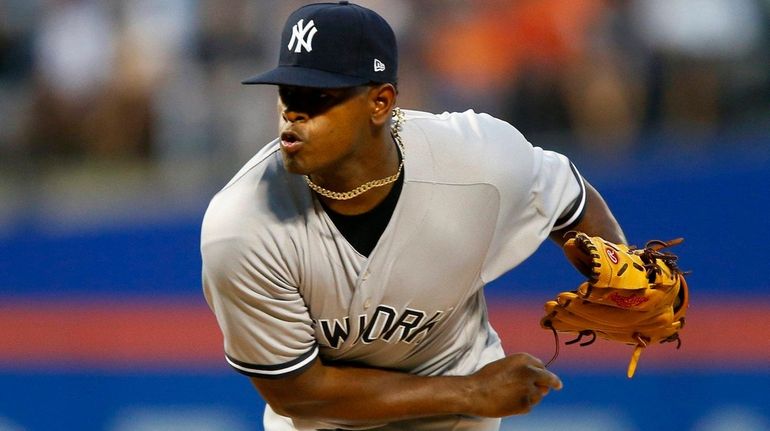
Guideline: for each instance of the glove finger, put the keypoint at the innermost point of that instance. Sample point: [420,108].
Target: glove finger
[564,321]
[656,328]
[549,306]
[608,316]
[638,299]
[626,337]
[661,326]
[650,336]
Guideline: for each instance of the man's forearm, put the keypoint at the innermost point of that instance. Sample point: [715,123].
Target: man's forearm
[360,395]
[597,220]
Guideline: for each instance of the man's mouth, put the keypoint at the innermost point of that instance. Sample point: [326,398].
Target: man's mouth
[290,142]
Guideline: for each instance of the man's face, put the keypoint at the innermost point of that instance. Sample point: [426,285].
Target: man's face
[321,129]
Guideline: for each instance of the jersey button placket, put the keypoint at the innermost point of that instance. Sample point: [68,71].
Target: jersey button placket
[364,277]
[363,289]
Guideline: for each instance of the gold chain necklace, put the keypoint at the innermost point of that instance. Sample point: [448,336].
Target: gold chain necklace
[395,128]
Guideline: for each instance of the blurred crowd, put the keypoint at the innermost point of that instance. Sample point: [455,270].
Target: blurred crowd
[154,80]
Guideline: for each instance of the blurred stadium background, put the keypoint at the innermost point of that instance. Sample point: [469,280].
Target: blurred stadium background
[120,119]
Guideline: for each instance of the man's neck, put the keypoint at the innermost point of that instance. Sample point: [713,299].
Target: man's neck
[387,152]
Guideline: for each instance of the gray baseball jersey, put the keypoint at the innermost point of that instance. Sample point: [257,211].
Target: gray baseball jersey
[286,286]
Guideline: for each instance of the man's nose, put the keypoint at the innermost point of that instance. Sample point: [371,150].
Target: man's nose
[292,116]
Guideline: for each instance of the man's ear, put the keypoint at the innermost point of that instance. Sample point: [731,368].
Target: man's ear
[383,100]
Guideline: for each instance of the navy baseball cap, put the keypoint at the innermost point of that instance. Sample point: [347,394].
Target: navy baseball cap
[334,45]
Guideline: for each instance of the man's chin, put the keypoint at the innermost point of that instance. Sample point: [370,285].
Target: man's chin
[292,166]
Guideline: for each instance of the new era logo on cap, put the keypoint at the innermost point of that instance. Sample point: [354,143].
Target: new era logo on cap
[334,45]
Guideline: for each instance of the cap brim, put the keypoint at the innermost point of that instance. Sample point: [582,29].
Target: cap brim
[302,77]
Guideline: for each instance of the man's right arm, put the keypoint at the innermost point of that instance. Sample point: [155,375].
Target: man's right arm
[361,395]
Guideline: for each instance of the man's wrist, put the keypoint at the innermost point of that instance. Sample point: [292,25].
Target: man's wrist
[465,389]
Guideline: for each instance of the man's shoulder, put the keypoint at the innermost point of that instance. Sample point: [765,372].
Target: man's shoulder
[261,193]
[466,122]
[245,185]
[257,166]
[468,132]
[467,146]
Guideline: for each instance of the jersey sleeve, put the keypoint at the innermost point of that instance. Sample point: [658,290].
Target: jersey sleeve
[541,191]
[559,191]
[265,323]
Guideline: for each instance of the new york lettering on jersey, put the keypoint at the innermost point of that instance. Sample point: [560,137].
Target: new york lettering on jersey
[385,323]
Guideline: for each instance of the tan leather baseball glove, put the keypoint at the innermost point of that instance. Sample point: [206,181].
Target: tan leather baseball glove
[636,296]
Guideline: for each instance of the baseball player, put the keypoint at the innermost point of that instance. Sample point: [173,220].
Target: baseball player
[345,262]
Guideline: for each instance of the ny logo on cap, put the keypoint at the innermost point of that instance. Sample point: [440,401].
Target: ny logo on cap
[302,35]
